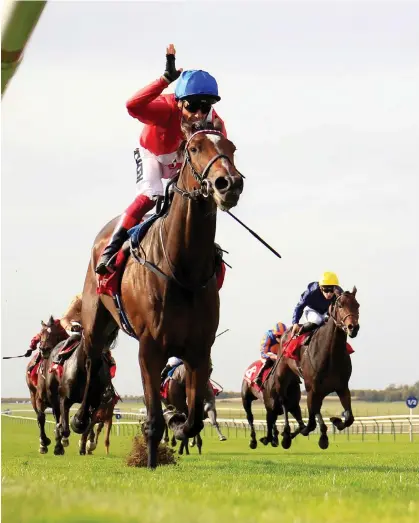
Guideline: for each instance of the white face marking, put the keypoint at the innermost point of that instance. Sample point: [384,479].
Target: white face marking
[49,330]
[215,138]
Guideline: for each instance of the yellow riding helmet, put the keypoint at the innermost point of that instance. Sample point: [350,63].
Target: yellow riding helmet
[328,278]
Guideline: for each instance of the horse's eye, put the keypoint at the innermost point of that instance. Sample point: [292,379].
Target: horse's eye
[340,306]
[193,150]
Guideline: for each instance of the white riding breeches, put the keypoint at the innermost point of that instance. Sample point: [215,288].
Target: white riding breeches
[313,316]
[152,170]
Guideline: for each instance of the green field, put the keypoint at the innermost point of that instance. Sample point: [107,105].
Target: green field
[349,482]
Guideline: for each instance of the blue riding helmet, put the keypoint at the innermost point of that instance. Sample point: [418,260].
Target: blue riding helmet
[196,82]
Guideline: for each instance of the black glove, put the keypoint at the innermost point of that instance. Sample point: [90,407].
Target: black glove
[171,73]
[28,353]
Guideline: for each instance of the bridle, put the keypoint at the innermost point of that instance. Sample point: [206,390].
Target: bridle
[205,189]
[341,321]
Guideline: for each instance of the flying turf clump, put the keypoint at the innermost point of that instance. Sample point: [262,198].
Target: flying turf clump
[138,455]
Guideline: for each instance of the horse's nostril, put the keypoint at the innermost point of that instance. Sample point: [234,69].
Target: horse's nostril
[350,326]
[222,184]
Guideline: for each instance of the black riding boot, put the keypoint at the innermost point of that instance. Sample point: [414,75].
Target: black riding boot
[308,327]
[104,265]
[60,358]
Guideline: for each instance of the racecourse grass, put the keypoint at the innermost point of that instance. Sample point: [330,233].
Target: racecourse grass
[352,481]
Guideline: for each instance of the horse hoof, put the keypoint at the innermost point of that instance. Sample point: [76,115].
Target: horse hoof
[79,426]
[223,438]
[274,443]
[43,450]
[82,452]
[253,444]
[46,442]
[65,442]
[59,451]
[286,443]
[324,442]
[338,423]
[91,446]
[264,440]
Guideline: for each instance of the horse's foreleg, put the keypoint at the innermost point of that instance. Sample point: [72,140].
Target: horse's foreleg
[286,434]
[99,430]
[166,434]
[152,363]
[82,443]
[297,414]
[323,440]
[345,399]
[268,438]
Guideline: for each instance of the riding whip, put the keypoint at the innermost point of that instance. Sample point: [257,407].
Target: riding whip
[255,235]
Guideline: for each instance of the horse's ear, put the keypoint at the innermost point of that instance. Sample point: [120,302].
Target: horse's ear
[51,321]
[337,292]
[186,128]
[354,290]
[43,324]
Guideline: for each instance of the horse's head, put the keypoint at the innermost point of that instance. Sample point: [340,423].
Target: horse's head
[208,165]
[345,312]
[51,334]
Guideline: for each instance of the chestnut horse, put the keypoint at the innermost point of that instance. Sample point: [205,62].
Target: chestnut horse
[325,365]
[171,297]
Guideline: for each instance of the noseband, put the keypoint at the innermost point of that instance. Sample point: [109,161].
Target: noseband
[341,322]
[205,186]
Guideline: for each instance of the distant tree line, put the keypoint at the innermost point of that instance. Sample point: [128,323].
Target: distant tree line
[391,393]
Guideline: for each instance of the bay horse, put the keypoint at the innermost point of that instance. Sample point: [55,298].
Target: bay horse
[45,392]
[325,365]
[60,392]
[176,397]
[274,405]
[170,298]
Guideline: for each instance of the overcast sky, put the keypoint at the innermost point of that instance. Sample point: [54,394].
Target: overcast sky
[321,100]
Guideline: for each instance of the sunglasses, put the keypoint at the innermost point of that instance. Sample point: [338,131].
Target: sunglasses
[198,105]
[328,290]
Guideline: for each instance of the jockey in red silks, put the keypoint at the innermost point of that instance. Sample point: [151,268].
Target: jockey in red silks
[195,94]
[269,348]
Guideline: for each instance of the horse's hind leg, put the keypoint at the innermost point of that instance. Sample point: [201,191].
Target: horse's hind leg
[98,324]
[212,416]
[91,443]
[193,442]
[247,405]
[323,440]
[345,399]
[107,435]
[43,438]
[314,404]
